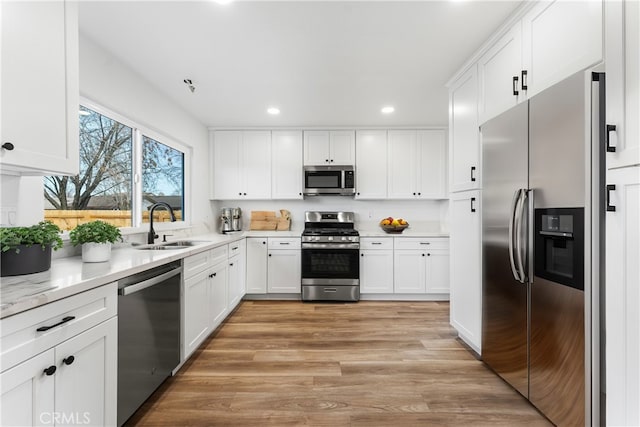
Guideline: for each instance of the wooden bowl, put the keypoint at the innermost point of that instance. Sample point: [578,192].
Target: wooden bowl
[394,228]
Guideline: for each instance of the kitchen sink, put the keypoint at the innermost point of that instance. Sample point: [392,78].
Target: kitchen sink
[180,244]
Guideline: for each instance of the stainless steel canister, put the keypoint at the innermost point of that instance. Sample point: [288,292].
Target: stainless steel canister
[236,219]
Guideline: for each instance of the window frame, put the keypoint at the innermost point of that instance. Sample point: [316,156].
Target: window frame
[138,131]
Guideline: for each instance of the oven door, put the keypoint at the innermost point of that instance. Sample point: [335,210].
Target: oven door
[330,264]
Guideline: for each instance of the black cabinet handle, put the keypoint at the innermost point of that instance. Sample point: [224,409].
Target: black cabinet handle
[8,146]
[473,203]
[361,254]
[244,194]
[230,264]
[50,370]
[419,194]
[331,161]
[525,86]
[610,188]
[414,194]
[264,243]
[68,360]
[422,254]
[239,194]
[473,174]
[326,160]
[212,275]
[610,128]
[64,320]
[428,254]
[515,85]
[358,193]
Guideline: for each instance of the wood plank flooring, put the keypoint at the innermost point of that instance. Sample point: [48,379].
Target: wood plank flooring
[336,364]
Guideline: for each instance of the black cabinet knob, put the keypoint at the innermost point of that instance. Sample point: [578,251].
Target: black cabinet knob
[331,161]
[422,254]
[299,194]
[231,265]
[414,194]
[419,194]
[269,254]
[428,254]
[50,370]
[361,254]
[239,194]
[68,360]
[326,160]
[264,243]
[8,146]
[244,194]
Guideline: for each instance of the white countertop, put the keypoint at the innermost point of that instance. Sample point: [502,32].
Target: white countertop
[70,276]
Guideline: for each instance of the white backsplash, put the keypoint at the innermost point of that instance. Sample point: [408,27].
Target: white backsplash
[368,212]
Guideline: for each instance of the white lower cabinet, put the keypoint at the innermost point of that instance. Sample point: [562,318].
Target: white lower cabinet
[466,274]
[421,266]
[236,273]
[218,294]
[71,383]
[257,265]
[376,265]
[195,311]
[283,267]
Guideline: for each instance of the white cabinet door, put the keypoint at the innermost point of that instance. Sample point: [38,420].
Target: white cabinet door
[284,271]
[623,81]
[402,162]
[286,165]
[28,393]
[437,272]
[432,170]
[256,166]
[227,165]
[217,294]
[342,147]
[464,141]
[623,298]
[371,164]
[498,70]
[316,147]
[560,38]
[236,280]
[376,271]
[409,271]
[466,280]
[256,265]
[195,311]
[85,381]
[40,87]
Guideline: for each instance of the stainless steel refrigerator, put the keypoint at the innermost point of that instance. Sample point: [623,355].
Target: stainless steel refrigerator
[539,172]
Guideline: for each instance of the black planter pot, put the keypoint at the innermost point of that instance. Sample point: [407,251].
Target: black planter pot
[30,259]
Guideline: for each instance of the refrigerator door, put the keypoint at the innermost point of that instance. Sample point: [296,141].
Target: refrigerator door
[560,130]
[505,298]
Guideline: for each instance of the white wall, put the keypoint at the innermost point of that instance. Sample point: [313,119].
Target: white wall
[110,83]
[21,200]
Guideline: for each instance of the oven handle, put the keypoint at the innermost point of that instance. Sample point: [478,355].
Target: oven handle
[331,246]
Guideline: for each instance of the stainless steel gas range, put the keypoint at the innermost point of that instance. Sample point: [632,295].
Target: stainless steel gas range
[330,257]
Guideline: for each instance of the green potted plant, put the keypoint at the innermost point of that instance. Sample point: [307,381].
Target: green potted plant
[96,238]
[27,250]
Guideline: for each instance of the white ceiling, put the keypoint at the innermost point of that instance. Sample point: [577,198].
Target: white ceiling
[323,63]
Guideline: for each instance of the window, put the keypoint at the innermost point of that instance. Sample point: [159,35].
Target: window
[108,187]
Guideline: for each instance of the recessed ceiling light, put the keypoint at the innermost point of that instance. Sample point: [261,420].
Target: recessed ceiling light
[387,110]
[273,110]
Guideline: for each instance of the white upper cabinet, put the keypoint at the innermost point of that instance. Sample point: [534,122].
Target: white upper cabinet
[623,82]
[416,164]
[560,38]
[464,141]
[499,75]
[371,164]
[40,88]
[329,147]
[286,165]
[241,165]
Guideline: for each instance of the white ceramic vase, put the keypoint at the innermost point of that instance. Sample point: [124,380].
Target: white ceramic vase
[96,252]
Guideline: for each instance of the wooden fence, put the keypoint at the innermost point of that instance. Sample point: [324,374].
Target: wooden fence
[67,220]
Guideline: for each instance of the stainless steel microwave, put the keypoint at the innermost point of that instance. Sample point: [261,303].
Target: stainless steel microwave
[329,180]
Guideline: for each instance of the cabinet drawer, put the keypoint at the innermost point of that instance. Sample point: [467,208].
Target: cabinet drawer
[284,243]
[237,248]
[376,243]
[21,339]
[219,254]
[194,264]
[420,243]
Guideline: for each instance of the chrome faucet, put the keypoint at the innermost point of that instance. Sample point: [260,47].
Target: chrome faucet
[151,237]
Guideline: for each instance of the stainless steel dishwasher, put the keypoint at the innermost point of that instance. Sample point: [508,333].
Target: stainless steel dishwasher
[148,334]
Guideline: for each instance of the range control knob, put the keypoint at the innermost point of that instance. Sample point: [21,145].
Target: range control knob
[343,238]
[330,238]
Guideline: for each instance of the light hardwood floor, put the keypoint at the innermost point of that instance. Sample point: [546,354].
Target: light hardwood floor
[336,364]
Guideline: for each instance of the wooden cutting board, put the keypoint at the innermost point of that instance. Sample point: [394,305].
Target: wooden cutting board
[263,220]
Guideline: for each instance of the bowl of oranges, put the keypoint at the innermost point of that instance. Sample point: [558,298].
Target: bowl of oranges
[393,225]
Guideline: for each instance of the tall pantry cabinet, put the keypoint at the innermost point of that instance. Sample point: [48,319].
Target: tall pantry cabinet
[622,297]
[464,213]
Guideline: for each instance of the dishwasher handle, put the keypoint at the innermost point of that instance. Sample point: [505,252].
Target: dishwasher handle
[137,287]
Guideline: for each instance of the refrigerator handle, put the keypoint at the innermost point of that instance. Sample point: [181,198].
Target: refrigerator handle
[520,210]
[512,217]
[530,231]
